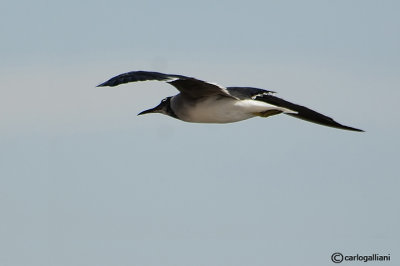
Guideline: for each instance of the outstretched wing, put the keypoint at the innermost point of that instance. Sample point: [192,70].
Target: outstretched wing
[189,87]
[304,112]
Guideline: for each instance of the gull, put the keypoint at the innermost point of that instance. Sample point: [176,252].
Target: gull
[204,102]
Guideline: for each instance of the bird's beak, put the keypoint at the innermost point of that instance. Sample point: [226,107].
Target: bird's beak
[152,110]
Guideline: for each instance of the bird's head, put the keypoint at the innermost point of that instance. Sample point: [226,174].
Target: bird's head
[164,108]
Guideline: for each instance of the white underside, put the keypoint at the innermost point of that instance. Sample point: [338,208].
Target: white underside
[225,110]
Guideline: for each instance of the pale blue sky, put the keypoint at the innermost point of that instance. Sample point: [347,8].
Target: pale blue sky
[84,181]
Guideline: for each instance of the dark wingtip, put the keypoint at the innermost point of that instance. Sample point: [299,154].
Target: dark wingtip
[106,84]
[314,117]
[353,129]
[340,126]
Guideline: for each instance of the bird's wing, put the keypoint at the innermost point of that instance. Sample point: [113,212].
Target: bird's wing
[303,112]
[243,93]
[138,76]
[189,87]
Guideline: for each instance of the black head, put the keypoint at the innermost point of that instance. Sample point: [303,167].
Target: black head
[164,108]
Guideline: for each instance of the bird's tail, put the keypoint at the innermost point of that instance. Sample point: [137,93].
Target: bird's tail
[304,112]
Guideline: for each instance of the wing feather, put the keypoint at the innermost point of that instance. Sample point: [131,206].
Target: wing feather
[304,112]
[189,87]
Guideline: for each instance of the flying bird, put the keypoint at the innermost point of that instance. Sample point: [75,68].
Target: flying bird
[204,102]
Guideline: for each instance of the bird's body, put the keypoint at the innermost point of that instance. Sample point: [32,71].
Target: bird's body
[203,102]
[216,109]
